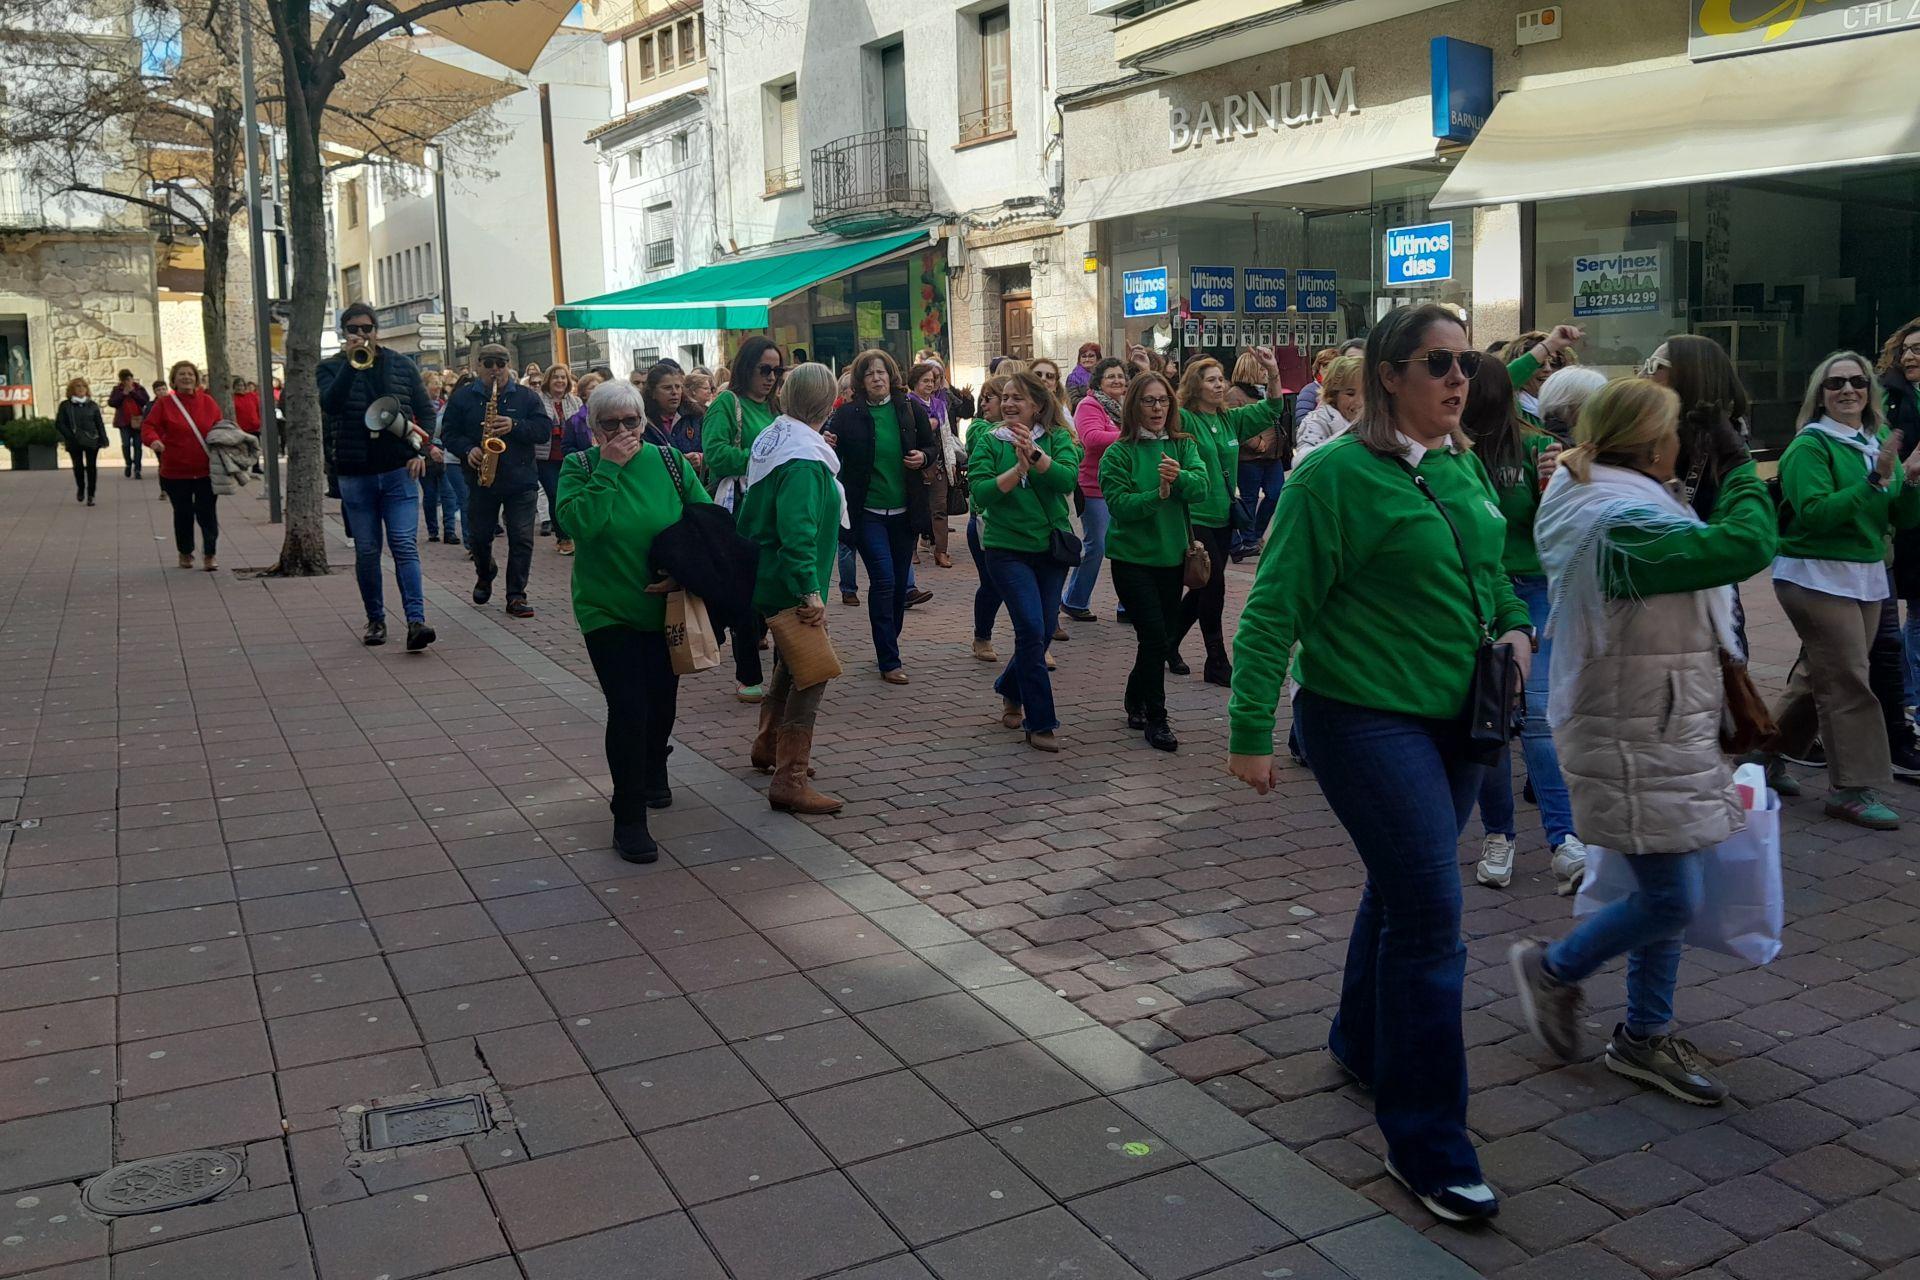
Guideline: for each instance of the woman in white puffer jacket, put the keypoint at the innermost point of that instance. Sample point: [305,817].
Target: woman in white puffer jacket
[1339,407]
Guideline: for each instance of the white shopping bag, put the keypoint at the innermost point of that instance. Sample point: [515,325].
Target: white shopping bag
[1742,903]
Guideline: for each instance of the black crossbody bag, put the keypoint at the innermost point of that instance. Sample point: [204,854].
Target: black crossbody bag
[1494,692]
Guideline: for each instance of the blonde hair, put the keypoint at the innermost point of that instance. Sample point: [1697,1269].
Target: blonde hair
[80,383]
[810,391]
[1341,372]
[1813,406]
[1623,422]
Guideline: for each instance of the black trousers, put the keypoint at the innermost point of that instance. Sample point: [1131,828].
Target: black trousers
[636,675]
[1207,605]
[1151,596]
[86,471]
[487,509]
[193,503]
[1887,671]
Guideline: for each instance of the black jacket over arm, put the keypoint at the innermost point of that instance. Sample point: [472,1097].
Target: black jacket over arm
[852,428]
[1903,415]
[345,393]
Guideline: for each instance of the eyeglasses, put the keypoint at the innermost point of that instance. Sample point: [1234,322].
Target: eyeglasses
[770,371]
[628,423]
[360,328]
[493,364]
[1155,402]
[1859,382]
[1440,362]
[1912,344]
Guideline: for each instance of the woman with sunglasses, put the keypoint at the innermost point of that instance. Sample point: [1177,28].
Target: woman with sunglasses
[733,421]
[1218,433]
[1388,613]
[556,393]
[1532,358]
[1845,490]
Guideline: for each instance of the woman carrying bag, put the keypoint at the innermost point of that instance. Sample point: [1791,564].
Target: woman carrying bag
[175,428]
[794,511]
[1642,618]
[1151,476]
[84,432]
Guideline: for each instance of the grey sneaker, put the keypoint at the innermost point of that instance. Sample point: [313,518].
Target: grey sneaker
[1495,867]
[1552,1008]
[1569,866]
[1668,1063]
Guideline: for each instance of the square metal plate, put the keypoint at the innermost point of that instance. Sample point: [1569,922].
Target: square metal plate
[388,1127]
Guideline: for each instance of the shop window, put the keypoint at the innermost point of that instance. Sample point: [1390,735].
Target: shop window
[780,137]
[659,230]
[992,115]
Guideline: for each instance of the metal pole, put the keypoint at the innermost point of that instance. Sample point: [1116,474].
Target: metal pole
[446,261]
[256,247]
[553,225]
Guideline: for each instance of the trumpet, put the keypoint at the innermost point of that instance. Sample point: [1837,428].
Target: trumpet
[360,357]
[491,447]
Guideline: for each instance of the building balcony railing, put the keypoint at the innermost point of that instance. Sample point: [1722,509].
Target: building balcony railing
[782,179]
[18,209]
[401,314]
[871,181]
[993,121]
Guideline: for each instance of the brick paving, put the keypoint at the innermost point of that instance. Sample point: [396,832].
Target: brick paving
[273,876]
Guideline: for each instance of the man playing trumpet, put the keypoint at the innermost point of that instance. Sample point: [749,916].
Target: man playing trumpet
[491,411]
[377,471]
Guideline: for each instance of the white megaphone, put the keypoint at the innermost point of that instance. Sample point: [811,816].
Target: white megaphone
[388,415]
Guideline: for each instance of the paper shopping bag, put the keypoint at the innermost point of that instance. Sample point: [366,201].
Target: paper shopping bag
[692,643]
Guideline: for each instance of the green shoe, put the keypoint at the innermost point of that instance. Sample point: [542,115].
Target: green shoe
[1863,808]
[1777,776]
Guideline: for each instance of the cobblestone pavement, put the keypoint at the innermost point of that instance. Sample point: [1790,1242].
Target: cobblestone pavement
[274,876]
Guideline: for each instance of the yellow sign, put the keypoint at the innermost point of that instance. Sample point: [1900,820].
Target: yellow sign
[1722,27]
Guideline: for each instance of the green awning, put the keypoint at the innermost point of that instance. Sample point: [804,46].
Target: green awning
[729,295]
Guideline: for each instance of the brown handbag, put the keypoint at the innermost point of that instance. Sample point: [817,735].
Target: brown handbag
[1747,725]
[1196,566]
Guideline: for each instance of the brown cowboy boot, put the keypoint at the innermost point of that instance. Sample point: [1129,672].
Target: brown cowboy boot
[791,792]
[771,713]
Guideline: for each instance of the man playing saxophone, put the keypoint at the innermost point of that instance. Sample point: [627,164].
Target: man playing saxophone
[490,411]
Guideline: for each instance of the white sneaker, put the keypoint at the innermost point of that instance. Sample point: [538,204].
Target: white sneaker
[1569,866]
[1496,862]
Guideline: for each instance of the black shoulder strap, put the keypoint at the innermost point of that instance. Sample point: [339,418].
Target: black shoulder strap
[1466,566]
[672,459]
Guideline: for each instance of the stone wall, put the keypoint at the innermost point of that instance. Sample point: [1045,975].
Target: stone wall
[89,303]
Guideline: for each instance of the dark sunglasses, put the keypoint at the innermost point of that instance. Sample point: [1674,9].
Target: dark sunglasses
[771,370]
[1857,381]
[493,364]
[1440,362]
[628,423]
[359,328]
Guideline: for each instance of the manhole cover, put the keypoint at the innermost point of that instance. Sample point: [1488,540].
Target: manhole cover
[403,1126]
[164,1182]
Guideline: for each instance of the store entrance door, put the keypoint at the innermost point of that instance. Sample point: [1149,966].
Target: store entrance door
[1016,326]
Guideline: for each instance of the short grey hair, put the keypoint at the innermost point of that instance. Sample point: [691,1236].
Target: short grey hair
[809,392]
[1567,390]
[615,399]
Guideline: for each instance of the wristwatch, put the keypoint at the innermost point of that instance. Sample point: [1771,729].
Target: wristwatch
[1533,636]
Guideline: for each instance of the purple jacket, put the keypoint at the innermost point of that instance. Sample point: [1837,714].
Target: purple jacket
[575,435]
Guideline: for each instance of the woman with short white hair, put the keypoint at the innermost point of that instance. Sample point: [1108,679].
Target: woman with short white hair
[1563,395]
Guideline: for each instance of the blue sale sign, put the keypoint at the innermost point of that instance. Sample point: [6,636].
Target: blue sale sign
[1266,291]
[1313,292]
[1211,290]
[1144,293]
[1420,255]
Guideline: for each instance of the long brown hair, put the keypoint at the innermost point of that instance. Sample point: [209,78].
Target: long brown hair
[1890,353]
[1133,414]
[1493,422]
[1046,410]
[1701,373]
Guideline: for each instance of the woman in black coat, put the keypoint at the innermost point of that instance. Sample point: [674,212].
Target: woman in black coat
[885,442]
[84,431]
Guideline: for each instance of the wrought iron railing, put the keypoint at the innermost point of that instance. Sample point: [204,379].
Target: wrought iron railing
[659,253]
[991,121]
[404,313]
[783,178]
[871,180]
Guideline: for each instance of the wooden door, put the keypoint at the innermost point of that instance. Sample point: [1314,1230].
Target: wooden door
[1016,327]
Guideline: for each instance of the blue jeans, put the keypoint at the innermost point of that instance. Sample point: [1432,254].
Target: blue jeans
[986,597]
[1536,741]
[1912,634]
[1645,926]
[1029,582]
[886,547]
[1403,788]
[1260,493]
[130,454]
[391,499]
[1093,537]
[849,579]
[453,499]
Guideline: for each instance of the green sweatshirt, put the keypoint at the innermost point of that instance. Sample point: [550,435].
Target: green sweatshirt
[613,514]
[1362,573]
[1146,528]
[1522,371]
[976,427]
[1836,514]
[1218,437]
[794,516]
[1022,518]
[887,489]
[1519,498]
[721,456]
[1737,542]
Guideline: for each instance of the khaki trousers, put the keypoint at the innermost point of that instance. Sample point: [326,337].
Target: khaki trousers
[1827,691]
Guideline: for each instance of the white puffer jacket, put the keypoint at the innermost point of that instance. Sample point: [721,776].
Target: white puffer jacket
[1324,423]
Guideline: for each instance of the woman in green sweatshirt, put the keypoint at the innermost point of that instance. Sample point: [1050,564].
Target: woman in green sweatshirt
[615,498]
[1217,432]
[734,420]
[795,510]
[1845,492]
[1363,572]
[1150,476]
[1021,474]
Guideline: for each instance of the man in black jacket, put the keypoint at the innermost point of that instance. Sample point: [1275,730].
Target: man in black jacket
[520,419]
[378,472]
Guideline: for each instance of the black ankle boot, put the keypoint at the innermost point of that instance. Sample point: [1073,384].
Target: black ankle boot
[634,843]
[1160,734]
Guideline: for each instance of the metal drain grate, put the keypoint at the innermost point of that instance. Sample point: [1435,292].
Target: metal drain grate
[403,1126]
[164,1182]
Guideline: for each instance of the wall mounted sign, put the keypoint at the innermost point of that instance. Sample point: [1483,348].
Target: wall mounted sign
[1278,108]
[1419,255]
[1461,84]
[1722,27]
[1213,290]
[1144,293]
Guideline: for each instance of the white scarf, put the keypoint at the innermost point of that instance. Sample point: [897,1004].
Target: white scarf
[1573,533]
[791,440]
[1853,438]
[1529,403]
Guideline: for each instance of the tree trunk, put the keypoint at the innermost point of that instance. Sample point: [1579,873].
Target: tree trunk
[303,553]
[216,247]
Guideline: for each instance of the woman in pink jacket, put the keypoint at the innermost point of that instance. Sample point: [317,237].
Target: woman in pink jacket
[1097,421]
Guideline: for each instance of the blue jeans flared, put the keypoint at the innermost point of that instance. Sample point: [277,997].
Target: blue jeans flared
[1029,582]
[1093,540]
[1645,926]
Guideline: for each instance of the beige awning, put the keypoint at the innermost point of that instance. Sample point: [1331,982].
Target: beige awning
[513,34]
[1218,170]
[1825,106]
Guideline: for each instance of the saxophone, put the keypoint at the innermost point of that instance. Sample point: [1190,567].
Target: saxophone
[491,447]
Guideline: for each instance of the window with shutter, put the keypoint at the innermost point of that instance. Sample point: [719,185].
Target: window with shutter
[659,232]
[996,76]
[686,42]
[790,124]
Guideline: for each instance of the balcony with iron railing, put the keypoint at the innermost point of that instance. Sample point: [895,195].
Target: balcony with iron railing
[782,178]
[401,314]
[988,124]
[20,207]
[871,181]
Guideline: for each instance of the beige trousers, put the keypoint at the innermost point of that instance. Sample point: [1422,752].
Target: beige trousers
[1828,692]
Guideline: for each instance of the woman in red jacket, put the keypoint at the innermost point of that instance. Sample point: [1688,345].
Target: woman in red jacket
[175,429]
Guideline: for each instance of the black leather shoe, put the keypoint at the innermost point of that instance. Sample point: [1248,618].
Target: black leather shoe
[517,607]
[1079,615]
[419,636]
[1178,665]
[1220,673]
[659,798]
[1136,720]
[376,633]
[483,588]
[1160,734]
[633,842]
